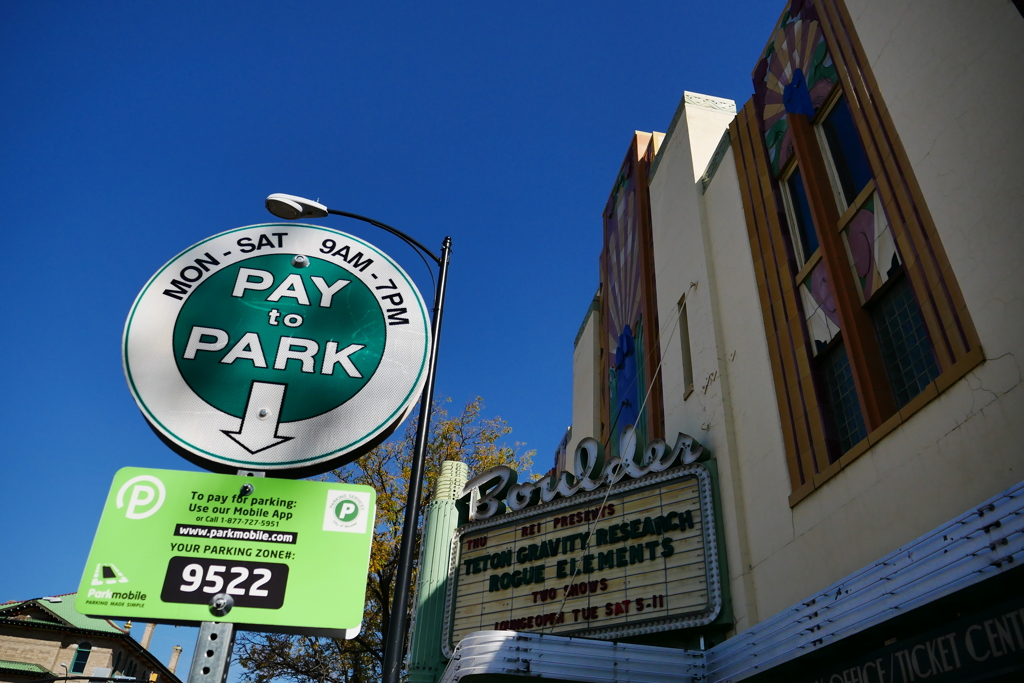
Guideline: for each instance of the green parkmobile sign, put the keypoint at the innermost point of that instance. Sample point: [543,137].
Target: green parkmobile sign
[283,348]
[280,555]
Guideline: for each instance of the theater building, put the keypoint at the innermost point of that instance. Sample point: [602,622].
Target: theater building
[795,451]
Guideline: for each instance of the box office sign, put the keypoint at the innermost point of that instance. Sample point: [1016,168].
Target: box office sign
[280,555]
[637,558]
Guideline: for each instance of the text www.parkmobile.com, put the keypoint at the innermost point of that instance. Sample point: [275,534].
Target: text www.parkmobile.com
[230,534]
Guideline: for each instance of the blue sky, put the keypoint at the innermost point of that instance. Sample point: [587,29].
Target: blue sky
[133,130]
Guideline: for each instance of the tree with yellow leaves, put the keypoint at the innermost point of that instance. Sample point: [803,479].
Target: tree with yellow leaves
[466,437]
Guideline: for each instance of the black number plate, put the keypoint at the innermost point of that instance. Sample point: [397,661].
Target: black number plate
[196,580]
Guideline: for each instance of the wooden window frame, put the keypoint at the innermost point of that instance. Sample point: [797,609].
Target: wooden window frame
[830,166]
[943,309]
[805,262]
[866,363]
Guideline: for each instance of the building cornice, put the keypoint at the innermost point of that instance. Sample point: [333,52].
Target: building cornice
[125,639]
[721,104]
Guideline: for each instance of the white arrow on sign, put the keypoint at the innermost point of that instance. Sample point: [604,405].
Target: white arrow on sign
[258,430]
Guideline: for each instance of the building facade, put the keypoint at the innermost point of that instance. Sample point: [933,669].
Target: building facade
[46,638]
[823,286]
[850,359]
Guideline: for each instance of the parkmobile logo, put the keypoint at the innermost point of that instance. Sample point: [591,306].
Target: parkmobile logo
[147,496]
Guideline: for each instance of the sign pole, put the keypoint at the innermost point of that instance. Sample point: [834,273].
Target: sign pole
[213,653]
[216,640]
[394,644]
[269,333]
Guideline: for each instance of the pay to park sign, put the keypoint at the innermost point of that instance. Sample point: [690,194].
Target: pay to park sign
[284,348]
[285,556]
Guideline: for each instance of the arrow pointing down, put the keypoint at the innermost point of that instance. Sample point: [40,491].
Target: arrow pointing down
[258,430]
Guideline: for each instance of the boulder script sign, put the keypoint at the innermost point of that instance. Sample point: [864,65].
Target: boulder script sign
[610,554]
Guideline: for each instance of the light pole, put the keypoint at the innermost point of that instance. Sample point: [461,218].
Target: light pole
[291,207]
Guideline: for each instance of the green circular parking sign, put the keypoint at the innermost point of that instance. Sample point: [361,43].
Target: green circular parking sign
[276,336]
[285,348]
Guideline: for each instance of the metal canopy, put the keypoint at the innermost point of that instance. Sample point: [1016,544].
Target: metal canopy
[570,659]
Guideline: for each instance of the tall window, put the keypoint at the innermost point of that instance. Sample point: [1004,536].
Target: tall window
[881,330]
[847,418]
[684,342]
[906,349]
[81,657]
[798,209]
[859,227]
[848,164]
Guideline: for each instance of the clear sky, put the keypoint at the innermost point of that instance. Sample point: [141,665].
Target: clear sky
[133,130]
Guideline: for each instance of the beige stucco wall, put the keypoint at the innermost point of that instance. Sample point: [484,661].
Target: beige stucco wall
[754,468]
[952,74]
[680,271]
[586,405]
[684,269]
[50,649]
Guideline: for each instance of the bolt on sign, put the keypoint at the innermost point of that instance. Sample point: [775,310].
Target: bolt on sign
[266,554]
[640,557]
[289,349]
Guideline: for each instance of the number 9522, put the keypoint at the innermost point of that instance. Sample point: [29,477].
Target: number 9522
[196,580]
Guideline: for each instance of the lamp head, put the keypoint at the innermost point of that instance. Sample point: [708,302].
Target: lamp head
[291,208]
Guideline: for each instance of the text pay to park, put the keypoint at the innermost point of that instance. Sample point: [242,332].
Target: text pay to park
[290,349]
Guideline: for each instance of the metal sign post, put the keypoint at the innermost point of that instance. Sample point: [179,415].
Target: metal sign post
[394,644]
[212,657]
[216,641]
[278,349]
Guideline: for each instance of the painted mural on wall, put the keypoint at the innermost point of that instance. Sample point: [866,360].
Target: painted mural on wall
[630,386]
[622,289]
[795,74]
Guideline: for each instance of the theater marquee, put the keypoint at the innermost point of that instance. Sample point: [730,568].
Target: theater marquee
[638,558]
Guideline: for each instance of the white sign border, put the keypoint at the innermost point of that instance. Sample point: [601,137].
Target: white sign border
[319,461]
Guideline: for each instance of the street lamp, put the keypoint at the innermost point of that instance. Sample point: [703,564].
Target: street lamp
[290,207]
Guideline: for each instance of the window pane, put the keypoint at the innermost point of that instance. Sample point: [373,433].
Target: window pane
[842,397]
[906,348]
[81,657]
[847,153]
[802,211]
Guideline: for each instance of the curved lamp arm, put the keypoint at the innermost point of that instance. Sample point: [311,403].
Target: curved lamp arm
[291,207]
